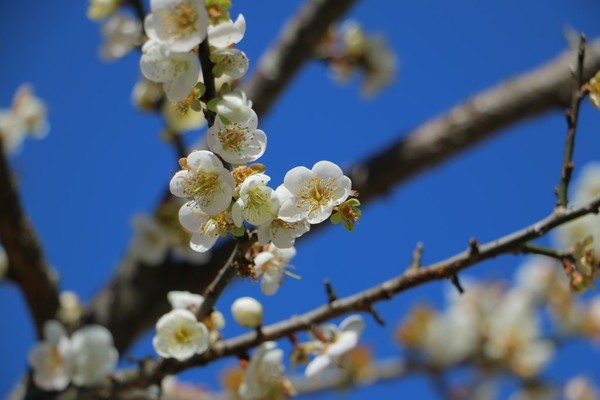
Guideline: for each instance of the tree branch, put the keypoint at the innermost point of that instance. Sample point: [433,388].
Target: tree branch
[27,265]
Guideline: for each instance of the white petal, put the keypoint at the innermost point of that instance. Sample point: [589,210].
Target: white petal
[317,365]
[202,243]
[326,170]
[320,214]
[296,179]
[346,342]
[269,284]
[191,217]
[237,214]
[186,77]
[178,182]
[227,33]
[204,158]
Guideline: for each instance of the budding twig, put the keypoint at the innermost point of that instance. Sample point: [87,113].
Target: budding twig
[572,115]
[331,296]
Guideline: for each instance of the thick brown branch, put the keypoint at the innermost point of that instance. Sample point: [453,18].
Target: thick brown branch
[362,301]
[137,287]
[28,267]
[292,49]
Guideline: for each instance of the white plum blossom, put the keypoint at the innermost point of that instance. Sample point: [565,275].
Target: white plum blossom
[93,355]
[177,71]
[247,312]
[239,141]
[228,60]
[314,193]
[146,94]
[85,359]
[70,307]
[179,335]
[205,229]
[272,264]
[226,33]
[51,358]
[264,374]
[235,106]
[150,241]
[283,234]
[341,341]
[204,182]
[231,62]
[381,65]
[180,24]
[257,203]
[122,33]
[189,301]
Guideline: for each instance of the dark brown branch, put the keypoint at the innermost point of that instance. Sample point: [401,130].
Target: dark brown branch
[363,301]
[293,48]
[572,115]
[27,265]
[137,287]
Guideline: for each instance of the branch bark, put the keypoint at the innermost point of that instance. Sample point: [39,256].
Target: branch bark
[27,265]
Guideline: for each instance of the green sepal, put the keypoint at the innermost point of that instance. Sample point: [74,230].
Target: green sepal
[212,104]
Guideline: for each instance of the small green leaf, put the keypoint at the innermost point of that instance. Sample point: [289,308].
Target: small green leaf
[212,104]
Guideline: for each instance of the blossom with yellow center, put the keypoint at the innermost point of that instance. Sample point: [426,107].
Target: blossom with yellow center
[180,24]
[179,335]
[205,229]
[238,141]
[313,193]
[204,182]
[257,204]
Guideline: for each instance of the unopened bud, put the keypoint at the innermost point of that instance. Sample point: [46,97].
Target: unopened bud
[247,312]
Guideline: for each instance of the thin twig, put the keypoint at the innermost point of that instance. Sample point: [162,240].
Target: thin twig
[572,115]
[331,296]
[208,77]
[531,248]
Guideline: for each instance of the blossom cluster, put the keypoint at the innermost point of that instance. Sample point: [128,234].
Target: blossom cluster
[83,359]
[501,329]
[26,117]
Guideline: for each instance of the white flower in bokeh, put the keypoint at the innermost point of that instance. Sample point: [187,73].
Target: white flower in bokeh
[122,33]
[182,120]
[341,341]
[381,65]
[178,72]
[226,33]
[31,110]
[180,24]
[150,242]
[239,141]
[264,375]
[235,106]
[51,358]
[247,312]
[257,203]
[100,9]
[314,192]
[205,182]
[581,388]
[93,355]
[185,300]
[271,265]
[70,307]
[146,94]
[179,335]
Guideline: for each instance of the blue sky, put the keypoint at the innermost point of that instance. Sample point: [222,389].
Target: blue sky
[104,161]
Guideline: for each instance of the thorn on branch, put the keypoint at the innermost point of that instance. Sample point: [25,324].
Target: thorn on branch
[331,296]
[473,247]
[417,256]
[456,283]
[376,316]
